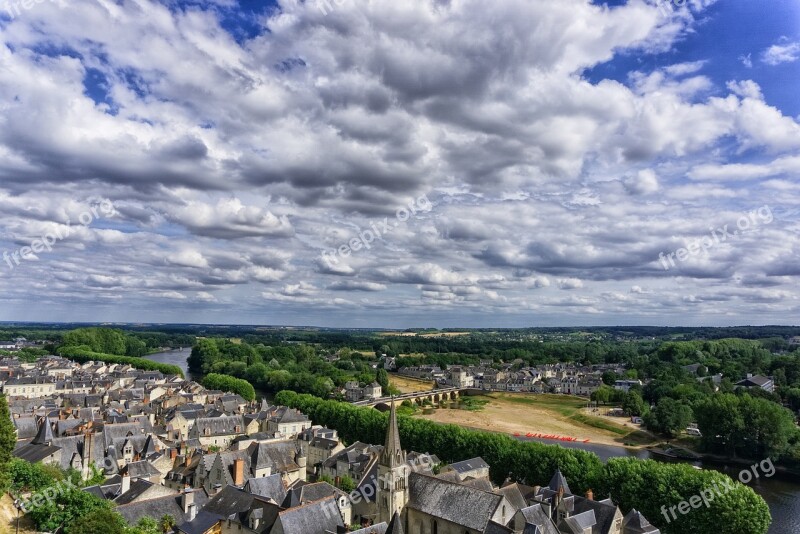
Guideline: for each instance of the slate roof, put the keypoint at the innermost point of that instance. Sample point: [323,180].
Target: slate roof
[35,453]
[395,525]
[469,465]
[44,435]
[604,511]
[141,469]
[270,487]
[635,523]
[26,427]
[219,426]
[465,506]
[380,528]
[514,495]
[138,487]
[537,517]
[558,481]
[280,457]
[319,517]
[155,508]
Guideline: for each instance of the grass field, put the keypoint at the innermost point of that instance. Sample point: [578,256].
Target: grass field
[562,415]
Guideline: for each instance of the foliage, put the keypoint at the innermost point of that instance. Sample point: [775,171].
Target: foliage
[644,485]
[633,404]
[102,520]
[743,425]
[166,523]
[83,354]
[382,378]
[231,384]
[67,506]
[347,484]
[670,417]
[648,486]
[146,525]
[106,341]
[8,440]
[275,368]
[32,477]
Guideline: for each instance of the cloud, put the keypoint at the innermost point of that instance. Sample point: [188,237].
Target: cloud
[746,61]
[235,155]
[643,183]
[785,52]
[570,283]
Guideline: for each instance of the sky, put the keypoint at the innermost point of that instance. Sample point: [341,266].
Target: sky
[424,163]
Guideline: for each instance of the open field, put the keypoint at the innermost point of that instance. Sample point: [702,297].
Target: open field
[409,385]
[426,334]
[561,415]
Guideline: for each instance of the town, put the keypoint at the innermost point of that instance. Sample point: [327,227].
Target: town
[216,463]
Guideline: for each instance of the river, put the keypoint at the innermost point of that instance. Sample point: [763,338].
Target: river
[177,357]
[782,494]
[180,357]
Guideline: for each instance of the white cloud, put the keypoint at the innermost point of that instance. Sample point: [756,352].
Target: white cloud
[234,161]
[785,52]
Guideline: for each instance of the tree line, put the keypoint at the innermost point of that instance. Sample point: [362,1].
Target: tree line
[642,484]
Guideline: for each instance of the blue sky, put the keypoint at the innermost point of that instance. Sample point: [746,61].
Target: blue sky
[727,32]
[267,162]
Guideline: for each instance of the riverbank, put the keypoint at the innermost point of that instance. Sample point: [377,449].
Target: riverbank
[550,415]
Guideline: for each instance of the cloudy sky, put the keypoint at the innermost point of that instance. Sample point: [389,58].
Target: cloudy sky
[400,163]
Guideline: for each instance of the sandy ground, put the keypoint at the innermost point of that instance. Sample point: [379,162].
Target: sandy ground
[509,417]
[409,385]
[8,518]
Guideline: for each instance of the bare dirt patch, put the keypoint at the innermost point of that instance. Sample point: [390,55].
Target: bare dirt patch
[538,414]
[409,385]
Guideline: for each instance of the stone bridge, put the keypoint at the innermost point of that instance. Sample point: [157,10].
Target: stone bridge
[435,396]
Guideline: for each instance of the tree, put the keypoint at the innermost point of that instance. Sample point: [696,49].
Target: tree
[644,485]
[167,523]
[670,417]
[231,384]
[102,520]
[382,378]
[8,440]
[609,377]
[347,484]
[633,404]
[720,421]
[603,394]
[792,397]
[67,506]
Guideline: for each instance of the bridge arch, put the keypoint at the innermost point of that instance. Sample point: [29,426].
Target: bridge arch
[382,407]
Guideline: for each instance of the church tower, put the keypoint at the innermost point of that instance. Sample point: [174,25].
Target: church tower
[393,471]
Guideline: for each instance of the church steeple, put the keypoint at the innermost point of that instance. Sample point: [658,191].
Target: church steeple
[392,492]
[393,454]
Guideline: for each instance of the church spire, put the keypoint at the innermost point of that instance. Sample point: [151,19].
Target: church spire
[393,455]
[44,436]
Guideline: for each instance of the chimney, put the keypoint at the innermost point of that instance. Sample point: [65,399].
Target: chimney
[173,453]
[126,484]
[187,500]
[188,459]
[238,472]
[192,512]
[590,495]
